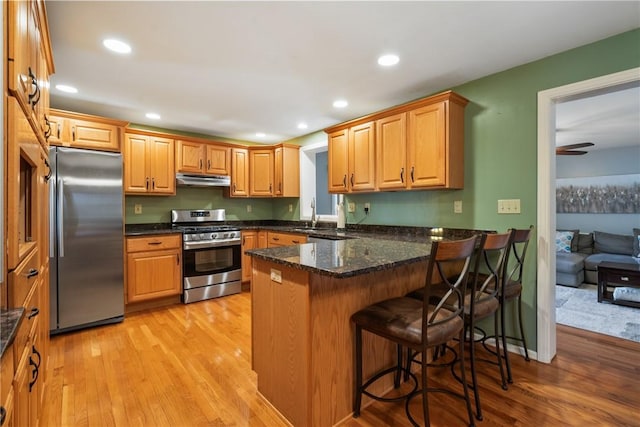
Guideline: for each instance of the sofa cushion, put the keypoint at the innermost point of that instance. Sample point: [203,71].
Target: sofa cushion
[636,242]
[591,262]
[563,241]
[585,243]
[569,262]
[574,240]
[612,243]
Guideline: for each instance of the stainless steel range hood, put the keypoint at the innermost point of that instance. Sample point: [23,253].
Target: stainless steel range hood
[186,180]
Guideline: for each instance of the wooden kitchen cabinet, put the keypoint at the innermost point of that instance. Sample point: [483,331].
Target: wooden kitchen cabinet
[249,241]
[261,172]
[6,386]
[78,130]
[200,158]
[239,172]
[154,267]
[149,166]
[352,159]
[418,145]
[276,239]
[287,170]
[29,60]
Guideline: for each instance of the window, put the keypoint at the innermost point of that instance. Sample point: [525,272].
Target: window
[314,183]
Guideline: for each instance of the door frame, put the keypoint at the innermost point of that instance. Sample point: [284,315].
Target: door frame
[546,201]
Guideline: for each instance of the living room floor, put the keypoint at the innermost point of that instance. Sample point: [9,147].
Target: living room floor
[579,308]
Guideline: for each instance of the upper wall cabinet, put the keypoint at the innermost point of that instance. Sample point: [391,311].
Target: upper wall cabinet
[239,172]
[201,158]
[287,170]
[29,60]
[149,166]
[419,145]
[85,131]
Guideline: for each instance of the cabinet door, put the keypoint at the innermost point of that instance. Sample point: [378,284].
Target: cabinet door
[338,152]
[218,160]
[21,26]
[362,157]
[57,128]
[391,152]
[153,274]
[189,157]
[162,166]
[286,172]
[278,171]
[249,241]
[21,392]
[239,172]
[261,172]
[136,159]
[94,135]
[427,146]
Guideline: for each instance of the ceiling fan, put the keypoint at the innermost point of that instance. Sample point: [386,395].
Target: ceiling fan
[570,150]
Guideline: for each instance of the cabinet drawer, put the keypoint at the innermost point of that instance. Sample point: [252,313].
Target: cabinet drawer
[152,243]
[27,329]
[623,278]
[22,279]
[6,374]
[284,239]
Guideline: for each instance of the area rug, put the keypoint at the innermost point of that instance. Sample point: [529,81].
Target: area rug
[579,308]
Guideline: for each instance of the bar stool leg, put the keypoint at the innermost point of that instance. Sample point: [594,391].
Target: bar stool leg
[357,402]
[524,342]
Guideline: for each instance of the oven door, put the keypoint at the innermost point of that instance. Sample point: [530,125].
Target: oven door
[211,261]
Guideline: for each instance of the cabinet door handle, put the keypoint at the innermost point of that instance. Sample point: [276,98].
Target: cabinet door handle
[34,312]
[47,132]
[32,272]
[35,96]
[47,177]
[275,238]
[73,133]
[234,187]
[351,180]
[147,182]
[244,240]
[344,181]
[402,175]
[200,164]
[412,180]
[270,187]
[280,187]
[37,353]
[209,164]
[154,243]
[153,183]
[177,259]
[295,241]
[3,415]
[58,129]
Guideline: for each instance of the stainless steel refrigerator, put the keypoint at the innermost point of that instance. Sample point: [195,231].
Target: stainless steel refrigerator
[86,242]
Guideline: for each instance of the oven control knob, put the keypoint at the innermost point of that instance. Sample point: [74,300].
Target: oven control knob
[212,236]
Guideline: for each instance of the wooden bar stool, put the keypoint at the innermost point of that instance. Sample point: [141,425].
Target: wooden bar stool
[420,325]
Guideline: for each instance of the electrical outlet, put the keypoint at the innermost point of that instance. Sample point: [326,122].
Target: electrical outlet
[137,209]
[290,208]
[457,206]
[351,207]
[248,208]
[276,276]
[509,206]
[367,208]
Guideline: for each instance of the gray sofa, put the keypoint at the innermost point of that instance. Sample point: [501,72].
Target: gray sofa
[590,249]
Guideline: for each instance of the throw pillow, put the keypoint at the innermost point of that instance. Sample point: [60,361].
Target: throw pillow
[574,240]
[636,242]
[563,241]
[612,243]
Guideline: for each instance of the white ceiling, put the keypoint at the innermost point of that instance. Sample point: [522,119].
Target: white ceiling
[232,69]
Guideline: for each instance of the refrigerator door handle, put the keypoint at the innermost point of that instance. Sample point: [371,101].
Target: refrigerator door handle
[52,219]
[60,218]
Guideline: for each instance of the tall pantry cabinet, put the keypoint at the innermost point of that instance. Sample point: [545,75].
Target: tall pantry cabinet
[25,263]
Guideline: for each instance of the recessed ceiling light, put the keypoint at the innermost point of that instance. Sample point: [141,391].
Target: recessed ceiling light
[153,116]
[340,103]
[302,126]
[388,60]
[116,46]
[260,134]
[66,88]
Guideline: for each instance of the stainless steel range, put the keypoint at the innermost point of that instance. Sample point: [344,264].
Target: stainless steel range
[211,254]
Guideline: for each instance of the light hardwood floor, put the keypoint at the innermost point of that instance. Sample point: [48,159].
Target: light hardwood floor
[190,365]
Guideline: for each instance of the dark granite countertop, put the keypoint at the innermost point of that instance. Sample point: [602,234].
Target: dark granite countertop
[148,229]
[9,322]
[346,258]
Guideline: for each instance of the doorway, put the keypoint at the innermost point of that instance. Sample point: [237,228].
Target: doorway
[546,223]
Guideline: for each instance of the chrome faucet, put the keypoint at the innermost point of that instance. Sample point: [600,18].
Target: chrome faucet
[314,220]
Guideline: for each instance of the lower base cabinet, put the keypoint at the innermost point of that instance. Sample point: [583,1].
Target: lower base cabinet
[154,267]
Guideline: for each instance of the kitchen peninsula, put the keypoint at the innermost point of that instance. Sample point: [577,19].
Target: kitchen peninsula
[302,299]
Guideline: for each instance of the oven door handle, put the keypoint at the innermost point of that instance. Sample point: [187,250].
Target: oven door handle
[211,244]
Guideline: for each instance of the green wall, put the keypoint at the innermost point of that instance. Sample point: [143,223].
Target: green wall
[500,157]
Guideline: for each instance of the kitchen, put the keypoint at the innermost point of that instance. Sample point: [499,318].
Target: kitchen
[427,208]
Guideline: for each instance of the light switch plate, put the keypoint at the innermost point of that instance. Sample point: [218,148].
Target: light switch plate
[137,209]
[457,206]
[509,206]
[351,207]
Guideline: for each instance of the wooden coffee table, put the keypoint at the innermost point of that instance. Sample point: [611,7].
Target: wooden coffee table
[612,275]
